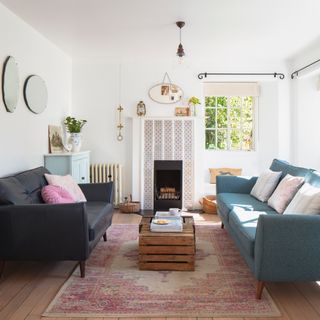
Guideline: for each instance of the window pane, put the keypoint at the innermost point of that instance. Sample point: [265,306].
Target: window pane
[222,102]
[235,102]
[222,118]
[211,139]
[222,140]
[210,102]
[235,117]
[210,118]
[235,137]
[247,140]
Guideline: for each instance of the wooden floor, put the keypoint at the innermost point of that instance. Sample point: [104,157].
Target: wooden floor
[27,288]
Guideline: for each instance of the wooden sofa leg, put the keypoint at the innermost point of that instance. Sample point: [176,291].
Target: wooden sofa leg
[82,265]
[222,225]
[260,286]
[105,236]
[2,263]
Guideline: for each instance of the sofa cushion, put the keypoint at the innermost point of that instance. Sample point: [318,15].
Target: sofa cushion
[285,192]
[244,223]
[286,168]
[99,215]
[265,185]
[13,192]
[56,194]
[229,201]
[306,201]
[33,180]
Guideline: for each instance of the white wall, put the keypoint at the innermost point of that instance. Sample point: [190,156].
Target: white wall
[24,135]
[96,96]
[305,107]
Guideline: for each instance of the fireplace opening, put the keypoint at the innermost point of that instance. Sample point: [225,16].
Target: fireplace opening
[167,184]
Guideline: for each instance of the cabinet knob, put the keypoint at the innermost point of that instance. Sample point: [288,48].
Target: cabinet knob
[83,178]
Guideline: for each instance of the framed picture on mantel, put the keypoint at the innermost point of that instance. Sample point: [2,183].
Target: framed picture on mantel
[55,139]
[182,112]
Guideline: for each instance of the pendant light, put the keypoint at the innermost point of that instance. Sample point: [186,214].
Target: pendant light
[180,51]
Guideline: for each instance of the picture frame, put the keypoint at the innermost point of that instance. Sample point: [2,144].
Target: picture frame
[55,139]
[182,112]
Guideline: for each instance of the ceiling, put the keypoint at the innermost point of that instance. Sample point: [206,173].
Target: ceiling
[266,29]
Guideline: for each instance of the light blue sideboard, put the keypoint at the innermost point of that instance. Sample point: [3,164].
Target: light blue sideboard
[75,164]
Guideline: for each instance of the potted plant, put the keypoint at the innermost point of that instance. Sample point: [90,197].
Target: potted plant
[193,101]
[74,127]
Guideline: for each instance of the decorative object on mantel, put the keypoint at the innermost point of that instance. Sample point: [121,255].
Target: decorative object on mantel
[141,109]
[295,74]
[180,51]
[193,102]
[10,84]
[74,127]
[129,206]
[35,94]
[182,111]
[55,139]
[120,126]
[202,75]
[166,92]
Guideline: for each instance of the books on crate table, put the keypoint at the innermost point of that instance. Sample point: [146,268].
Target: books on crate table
[166,224]
[165,214]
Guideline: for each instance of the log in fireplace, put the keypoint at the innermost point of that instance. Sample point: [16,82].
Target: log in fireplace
[167,184]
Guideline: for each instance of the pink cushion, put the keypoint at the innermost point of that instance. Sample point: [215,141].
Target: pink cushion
[56,194]
[67,183]
[284,192]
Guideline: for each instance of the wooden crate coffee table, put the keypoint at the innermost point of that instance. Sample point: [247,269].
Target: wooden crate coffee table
[167,250]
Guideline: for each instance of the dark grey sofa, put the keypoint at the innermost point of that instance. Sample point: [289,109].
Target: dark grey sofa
[33,230]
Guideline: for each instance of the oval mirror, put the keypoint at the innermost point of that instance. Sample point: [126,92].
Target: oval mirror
[10,84]
[166,93]
[35,94]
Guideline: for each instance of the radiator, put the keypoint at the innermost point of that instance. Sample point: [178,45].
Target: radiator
[105,172]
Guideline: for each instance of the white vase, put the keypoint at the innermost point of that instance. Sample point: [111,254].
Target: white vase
[75,141]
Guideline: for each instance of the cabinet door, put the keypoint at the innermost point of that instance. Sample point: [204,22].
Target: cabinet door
[80,170]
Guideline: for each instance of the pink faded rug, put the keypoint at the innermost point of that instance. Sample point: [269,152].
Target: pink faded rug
[221,285]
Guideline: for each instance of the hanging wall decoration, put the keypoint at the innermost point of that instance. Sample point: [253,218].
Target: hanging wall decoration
[35,94]
[10,84]
[166,92]
[141,109]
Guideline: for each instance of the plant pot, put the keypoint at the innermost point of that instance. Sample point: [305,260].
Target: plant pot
[75,141]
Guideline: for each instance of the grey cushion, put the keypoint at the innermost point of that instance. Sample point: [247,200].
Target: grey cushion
[286,168]
[99,215]
[23,188]
[229,201]
[244,224]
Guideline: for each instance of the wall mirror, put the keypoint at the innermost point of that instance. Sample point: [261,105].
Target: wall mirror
[10,84]
[166,92]
[35,94]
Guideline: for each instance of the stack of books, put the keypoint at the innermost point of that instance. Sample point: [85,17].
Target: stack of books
[166,223]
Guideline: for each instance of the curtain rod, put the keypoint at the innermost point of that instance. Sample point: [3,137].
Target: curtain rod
[296,73]
[274,74]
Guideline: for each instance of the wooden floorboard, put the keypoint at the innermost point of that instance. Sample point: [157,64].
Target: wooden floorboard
[27,288]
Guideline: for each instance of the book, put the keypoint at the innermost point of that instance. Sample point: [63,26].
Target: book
[168,224]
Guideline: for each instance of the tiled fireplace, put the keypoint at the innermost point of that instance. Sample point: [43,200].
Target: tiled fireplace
[166,139]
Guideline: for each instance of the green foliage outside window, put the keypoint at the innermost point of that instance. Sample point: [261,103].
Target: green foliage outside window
[229,123]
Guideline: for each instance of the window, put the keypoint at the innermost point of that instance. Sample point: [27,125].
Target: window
[229,122]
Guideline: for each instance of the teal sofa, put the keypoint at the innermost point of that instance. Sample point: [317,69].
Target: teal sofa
[276,247]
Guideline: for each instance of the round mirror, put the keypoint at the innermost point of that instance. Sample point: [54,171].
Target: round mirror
[35,94]
[166,93]
[10,84]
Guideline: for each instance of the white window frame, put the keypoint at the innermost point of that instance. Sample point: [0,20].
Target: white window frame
[228,128]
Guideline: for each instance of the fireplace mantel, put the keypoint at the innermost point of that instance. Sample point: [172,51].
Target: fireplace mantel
[162,138]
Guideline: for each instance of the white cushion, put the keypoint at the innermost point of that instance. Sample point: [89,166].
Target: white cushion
[306,201]
[67,183]
[285,191]
[265,185]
